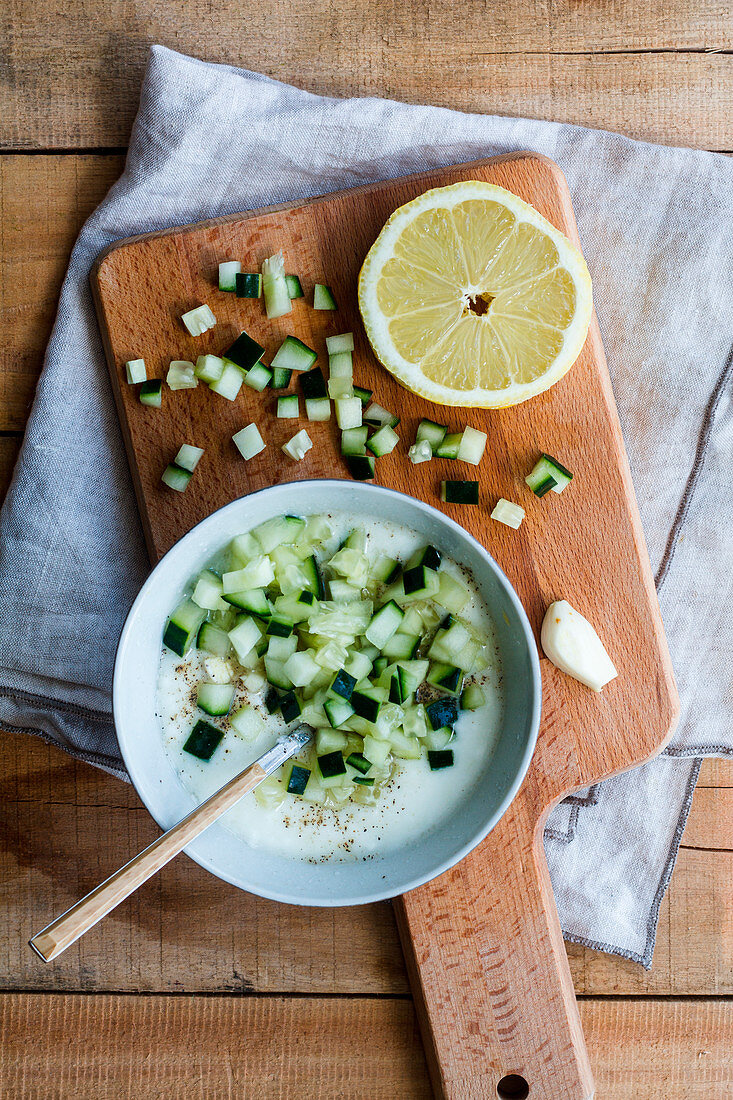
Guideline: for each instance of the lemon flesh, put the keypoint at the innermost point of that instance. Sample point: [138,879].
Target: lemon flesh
[470,297]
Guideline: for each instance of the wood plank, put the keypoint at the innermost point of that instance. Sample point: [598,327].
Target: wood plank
[109,1048]
[98,821]
[44,201]
[716,773]
[710,824]
[65,826]
[120,1048]
[616,67]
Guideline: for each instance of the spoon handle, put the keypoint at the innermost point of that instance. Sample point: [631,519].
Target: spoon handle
[66,929]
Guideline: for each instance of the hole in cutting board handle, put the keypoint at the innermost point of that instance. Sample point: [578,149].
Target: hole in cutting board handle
[512,1087]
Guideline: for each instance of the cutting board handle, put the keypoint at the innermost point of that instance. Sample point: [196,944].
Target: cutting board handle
[488,967]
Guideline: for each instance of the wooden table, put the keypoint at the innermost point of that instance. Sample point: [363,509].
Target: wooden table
[192,989]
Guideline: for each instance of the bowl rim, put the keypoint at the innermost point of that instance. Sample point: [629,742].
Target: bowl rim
[477,836]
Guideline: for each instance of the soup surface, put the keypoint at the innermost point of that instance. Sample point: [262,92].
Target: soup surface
[354,815]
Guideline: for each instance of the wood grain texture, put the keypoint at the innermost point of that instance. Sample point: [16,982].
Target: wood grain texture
[66,929]
[496,996]
[43,204]
[149,1048]
[9,448]
[643,69]
[154,944]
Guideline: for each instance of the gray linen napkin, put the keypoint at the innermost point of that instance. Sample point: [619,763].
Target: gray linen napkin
[655,226]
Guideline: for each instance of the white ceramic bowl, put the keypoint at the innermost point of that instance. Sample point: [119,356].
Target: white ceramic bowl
[296,881]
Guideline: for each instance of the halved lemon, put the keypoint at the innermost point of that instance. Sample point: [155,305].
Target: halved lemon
[470,297]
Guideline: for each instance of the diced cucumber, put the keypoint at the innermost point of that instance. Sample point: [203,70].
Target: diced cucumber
[330,740]
[338,711]
[188,457]
[245,636]
[348,412]
[430,432]
[215,699]
[257,573]
[312,383]
[203,740]
[386,570]
[295,290]
[199,320]
[342,590]
[442,712]
[353,441]
[290,707]
[383,442]
[298,447]
[248,441]
[181,375]
[401,646]
[151,393]
[318,408]
[280,627]
[135,371]
[176,478]
[212,639]
[253,600]
[364,396]
[275,287]
[472,697]
[419,452]
[281,378]
[258,378]
[288,407]
[228,271]
[451,594]
[183,627]
[208,590]
[377,417]
[447,677]
[248,284]
[384,624]
[276,675]
[209,368]
[473,445]
[428,556]
[298,779]
[508,513]
[244,352]
[404,747]
[229,382]
[343,684]
[420,582]
[280,648]
[367,703]
[359,762]
[449,446]
[548,474]
[293,354]
[278,530]
[341,365]
[323,297]
[359,665]
[344,342]
[313,576]
[435,740]
[301,668]
[442,758]
[361,467]
[459,492]
[340,387]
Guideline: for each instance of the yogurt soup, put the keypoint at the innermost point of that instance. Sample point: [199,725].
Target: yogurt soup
[380,643]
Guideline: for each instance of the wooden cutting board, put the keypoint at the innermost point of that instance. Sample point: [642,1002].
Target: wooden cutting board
[483,942]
